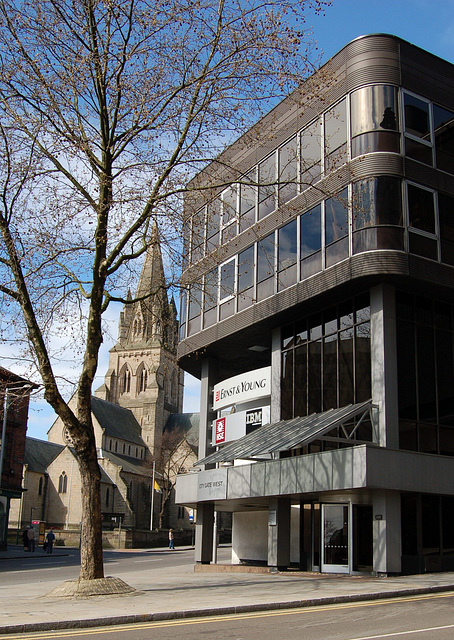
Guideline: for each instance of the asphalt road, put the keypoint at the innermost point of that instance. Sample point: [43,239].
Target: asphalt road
[417,618]
[66,563]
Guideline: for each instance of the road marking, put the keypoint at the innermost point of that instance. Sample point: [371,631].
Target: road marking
[135,626]
[402,633]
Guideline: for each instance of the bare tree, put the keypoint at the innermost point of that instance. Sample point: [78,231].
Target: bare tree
[175,455]
[107,108]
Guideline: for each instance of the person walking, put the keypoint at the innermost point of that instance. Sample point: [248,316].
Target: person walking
[50,539]
[171,540]
[31,539]
[25,538]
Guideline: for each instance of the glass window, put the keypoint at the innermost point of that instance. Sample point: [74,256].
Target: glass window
[246,269]
[417,121]
[210,297]
[213,222]
[335,136]
[310,154]
[336,217]
[375,141]
[227,280]
[374,109]
[287,254]
[195,300]
[267,188]
[444,138]
[421,212]
[265,258]
[197,236]
[247,203]
[229,205]
[288,170]
[287,245]
[418,151]
[377,201]
[311,242]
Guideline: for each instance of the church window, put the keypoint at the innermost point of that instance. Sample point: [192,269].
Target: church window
[63,482]
[129,450]
[110,445]
[107,496]
[116,446]
[137,452]
[40,487]
[124,447]
[143,379]
[125,381]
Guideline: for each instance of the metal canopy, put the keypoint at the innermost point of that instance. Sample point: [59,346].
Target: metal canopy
[288,434]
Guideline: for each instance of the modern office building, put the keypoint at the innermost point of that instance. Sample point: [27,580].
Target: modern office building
[319,316]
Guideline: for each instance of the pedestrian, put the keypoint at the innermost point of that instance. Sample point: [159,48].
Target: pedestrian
[31,539]
[25,538]
[171,539]
[50,539]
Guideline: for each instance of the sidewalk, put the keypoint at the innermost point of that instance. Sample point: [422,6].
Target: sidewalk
[165,592]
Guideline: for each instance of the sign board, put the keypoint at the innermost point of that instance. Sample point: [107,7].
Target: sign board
[236,425]
[243,388]
[212,485]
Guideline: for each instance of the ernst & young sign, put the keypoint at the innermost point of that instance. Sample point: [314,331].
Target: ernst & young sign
[243,388]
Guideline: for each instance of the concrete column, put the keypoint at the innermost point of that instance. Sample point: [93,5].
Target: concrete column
[206,407]
[387,548]
[279,533]
[384,363]
[204,533]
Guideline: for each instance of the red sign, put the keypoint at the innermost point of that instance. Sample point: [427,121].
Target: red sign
[220,431]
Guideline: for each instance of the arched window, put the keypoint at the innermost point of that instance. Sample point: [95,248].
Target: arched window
[107,496]
[40,487]
[63,482]
[125,381]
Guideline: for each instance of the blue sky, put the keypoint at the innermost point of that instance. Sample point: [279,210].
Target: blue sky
[422,22]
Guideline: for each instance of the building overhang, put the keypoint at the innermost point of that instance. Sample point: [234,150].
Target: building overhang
[361,467]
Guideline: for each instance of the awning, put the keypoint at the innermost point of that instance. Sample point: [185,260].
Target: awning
[289,434]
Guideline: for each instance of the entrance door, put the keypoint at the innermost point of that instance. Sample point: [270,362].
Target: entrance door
[335,538]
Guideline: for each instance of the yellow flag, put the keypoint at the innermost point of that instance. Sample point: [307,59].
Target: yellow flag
[157,487]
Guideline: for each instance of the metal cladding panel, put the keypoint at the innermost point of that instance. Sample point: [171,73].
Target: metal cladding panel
[427,75]
[257,480]
[342,462]
[409,471]
[239,482]
[429,176]
[272,479]
[376,164]
[289,476]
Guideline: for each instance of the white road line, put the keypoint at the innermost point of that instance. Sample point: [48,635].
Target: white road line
[403,633]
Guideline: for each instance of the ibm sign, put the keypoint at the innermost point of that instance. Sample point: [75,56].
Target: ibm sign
[236,425]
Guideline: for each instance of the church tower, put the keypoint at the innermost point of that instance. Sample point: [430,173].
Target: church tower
[143,375]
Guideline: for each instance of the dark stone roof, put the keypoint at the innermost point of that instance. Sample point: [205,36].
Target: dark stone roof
[116,421]
[187,423]
[40,453]
[129,464]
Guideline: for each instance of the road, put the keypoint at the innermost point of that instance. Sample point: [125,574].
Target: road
[67,566]
[416,618]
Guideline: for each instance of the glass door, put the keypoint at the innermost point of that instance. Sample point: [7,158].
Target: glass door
[335,538]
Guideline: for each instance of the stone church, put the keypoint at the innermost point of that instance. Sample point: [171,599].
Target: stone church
[142,390]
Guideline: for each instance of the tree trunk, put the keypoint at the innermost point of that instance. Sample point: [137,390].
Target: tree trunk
[91,559]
